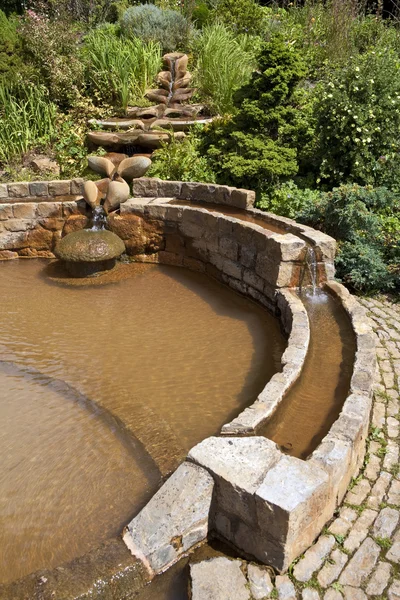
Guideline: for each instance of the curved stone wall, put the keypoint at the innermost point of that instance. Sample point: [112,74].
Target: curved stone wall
[239,486]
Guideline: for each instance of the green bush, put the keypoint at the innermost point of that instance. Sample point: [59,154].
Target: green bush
[243,16]
[357,114]
[224,63]
[366,223]
[52,48]
[27,119]
[258,146]
[152,24]
[11,63]
[181,161]
[118,70]
[201,14]
[287,199]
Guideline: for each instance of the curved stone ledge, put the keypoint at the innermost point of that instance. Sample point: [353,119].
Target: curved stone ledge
[295,322]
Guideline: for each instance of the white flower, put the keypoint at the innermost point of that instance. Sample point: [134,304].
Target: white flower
[357,69]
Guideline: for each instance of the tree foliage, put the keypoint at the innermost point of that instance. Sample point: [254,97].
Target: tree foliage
[258,145]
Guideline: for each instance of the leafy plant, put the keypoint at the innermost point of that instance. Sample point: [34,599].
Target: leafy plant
[224,63]
[11,63]
[152,24]
[358,121]
[258,146]
[27,119]
[242,16]
[181,161]
[352,214]
[287,199]
[119,70]
[51,46]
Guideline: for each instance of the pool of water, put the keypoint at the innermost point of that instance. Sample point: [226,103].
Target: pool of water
[168,353]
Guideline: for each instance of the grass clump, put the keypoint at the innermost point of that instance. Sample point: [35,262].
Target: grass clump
[118,70]
[224,64]
[27,119]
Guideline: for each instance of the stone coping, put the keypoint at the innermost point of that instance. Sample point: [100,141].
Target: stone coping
[40,191]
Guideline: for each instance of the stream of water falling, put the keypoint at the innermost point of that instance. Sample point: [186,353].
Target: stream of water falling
[99,219]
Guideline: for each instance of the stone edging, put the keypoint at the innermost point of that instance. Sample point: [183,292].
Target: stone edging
[37,191]
[294,319]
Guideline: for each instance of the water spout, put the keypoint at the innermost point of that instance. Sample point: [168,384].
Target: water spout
[171,83]
[99,219]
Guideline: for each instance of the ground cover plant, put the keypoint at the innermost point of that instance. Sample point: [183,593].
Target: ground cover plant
[306,99]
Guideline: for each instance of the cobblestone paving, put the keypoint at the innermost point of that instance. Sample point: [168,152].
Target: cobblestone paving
[357,555]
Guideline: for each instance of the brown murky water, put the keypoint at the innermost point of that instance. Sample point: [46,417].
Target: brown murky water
[313,404]
[170,353]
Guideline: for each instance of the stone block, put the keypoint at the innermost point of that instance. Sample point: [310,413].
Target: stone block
[10,240]
[18,224]
[243,198]
[3,190]
[247,256]
[6,212]
[25,210]
[254,280]
[260,582]
[49,209]
[77,186]
[218,579]
[292,506]
[229,248]
[231,268]
[169,189]
[238,465]
[38,188]
[193,223]
[175,519]
[145,187]
[60,188]
[18,190]
[8,254]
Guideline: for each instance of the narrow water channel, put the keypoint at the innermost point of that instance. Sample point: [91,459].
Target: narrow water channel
[313,404]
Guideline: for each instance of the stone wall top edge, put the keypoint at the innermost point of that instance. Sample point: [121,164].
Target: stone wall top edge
[295,322]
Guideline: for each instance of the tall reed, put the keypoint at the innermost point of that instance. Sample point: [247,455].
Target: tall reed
[224,63]
[27,119]
[118,70]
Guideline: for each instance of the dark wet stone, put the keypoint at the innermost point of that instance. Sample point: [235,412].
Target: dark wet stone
[90,246]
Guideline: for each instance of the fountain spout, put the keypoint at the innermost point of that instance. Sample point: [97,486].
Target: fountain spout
[99,219]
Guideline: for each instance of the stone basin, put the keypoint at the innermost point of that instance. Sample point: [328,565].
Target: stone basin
[88,252]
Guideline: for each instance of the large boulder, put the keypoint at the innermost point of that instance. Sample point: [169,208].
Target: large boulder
[87,245]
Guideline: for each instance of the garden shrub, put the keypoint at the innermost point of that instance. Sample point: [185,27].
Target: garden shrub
[119,70]
[357,113]
[52,47]
[181,161]
[243,16]
[224,63]
[287,199]
[258,146]
[152,24]
[11,63]
[366,223]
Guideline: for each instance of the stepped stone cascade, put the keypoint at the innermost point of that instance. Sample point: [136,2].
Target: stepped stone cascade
[145,129]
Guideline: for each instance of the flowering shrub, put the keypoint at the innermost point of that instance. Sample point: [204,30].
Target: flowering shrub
[358,121]
[51,45]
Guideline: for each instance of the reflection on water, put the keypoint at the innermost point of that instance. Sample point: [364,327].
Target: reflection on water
[312,405]
[170,353]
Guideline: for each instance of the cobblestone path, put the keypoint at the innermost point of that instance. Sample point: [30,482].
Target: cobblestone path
[357,556]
